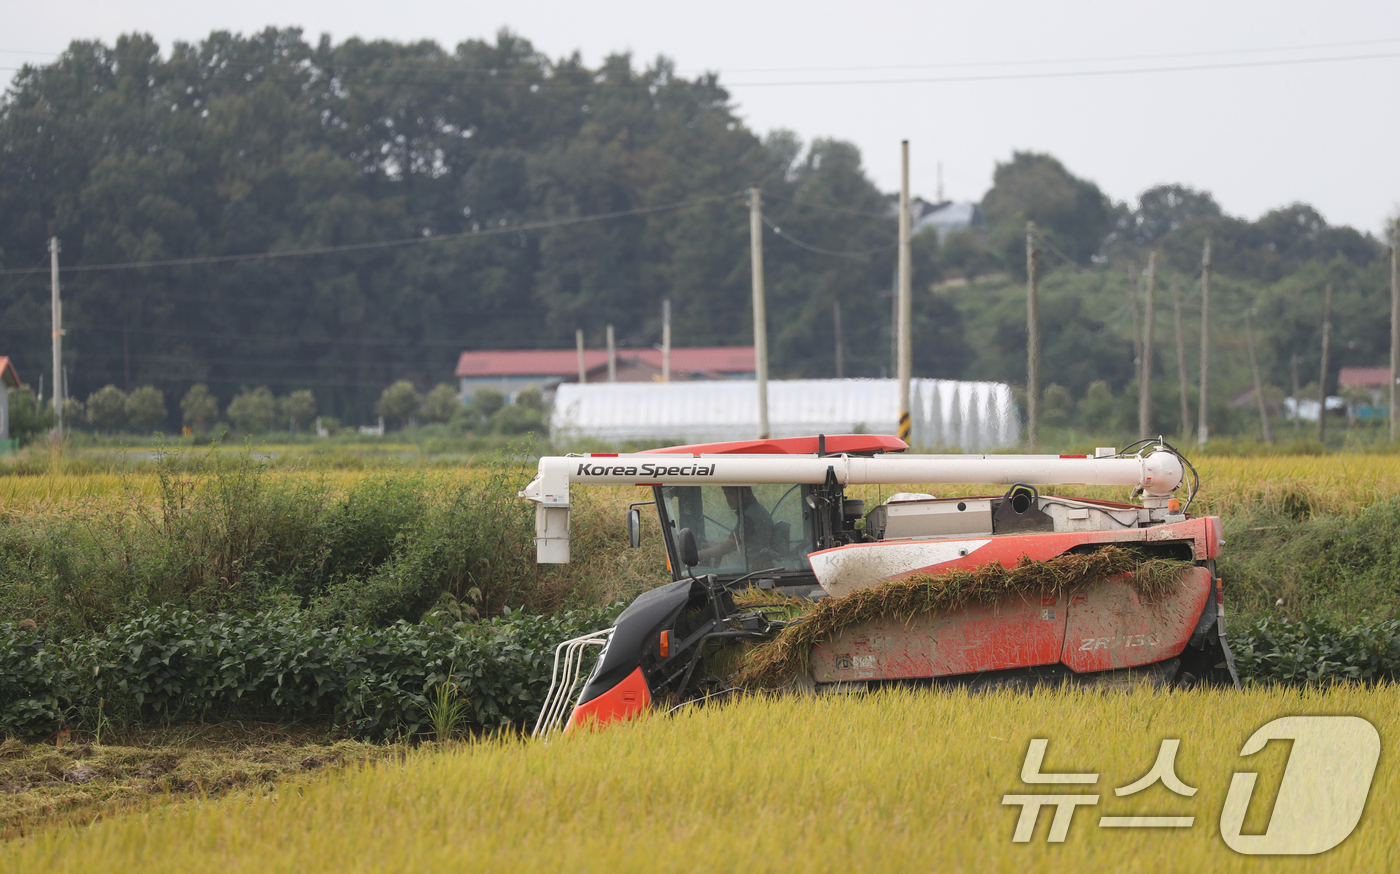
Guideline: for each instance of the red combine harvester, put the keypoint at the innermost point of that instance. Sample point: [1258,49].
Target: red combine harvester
[774,514]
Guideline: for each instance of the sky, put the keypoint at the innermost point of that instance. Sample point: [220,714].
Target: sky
[1260,103]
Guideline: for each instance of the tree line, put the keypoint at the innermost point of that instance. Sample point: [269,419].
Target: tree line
[109,411]
[240,145]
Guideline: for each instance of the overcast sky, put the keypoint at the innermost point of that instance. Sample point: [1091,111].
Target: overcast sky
[1264,125]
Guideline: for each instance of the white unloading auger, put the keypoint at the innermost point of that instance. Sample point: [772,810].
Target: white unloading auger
[1155,472]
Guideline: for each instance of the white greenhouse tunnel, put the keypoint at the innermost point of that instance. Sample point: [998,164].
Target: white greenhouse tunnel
[947,414]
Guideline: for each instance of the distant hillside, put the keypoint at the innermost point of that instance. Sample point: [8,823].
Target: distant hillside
[242,145]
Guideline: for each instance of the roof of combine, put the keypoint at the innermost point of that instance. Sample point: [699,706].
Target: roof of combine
[850,444]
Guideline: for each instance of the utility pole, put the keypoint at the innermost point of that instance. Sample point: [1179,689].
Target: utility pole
[906,351]
[1258,383]
[1032,343]
[1134,280]
[582,370]
[57,340]
[1297,420]
[840,359]
[1322,381]
[1148,324]
[1394,321]
[894,322]
[760,315]
[665,341]
[1202,422]
[612,356]
[1181,361]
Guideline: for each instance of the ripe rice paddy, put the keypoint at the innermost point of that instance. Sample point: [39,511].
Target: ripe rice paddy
[1342,483]
[896,781]
[892,781]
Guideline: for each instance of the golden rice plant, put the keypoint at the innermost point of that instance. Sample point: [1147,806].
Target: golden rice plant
[896,781]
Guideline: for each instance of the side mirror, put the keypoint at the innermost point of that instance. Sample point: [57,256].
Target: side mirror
[690,553]
[634,527]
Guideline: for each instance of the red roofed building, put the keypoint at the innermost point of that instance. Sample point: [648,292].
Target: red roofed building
[8,379]
[1374,381]
[1363,377]
[510,370]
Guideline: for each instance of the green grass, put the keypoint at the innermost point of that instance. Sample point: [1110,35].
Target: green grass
[1339,568]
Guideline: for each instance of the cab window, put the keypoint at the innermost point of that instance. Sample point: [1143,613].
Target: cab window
[744,528]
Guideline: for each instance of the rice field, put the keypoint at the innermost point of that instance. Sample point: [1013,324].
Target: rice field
[896,781]
[1338,484]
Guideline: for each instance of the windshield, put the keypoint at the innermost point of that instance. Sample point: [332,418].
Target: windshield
[743,528]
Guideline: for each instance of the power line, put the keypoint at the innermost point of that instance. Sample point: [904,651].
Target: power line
[838,209]
[384,244]
[1070,74]
[218,335]
[435,64]
[1082,60]
[552,84]
[114,373]
[819,250]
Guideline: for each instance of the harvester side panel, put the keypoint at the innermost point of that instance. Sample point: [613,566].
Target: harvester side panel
[1112,626]
[1106,626]
[1016,633]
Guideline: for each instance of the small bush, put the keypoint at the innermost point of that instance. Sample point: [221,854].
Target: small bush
[199,408]
[106,408]
[29,417]
[230,535]
[167,665]
[145,408]
[253,412]
[1317,651]
[399,402]
[440,404]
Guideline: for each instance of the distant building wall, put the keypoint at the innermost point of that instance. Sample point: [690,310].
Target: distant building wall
[8,379]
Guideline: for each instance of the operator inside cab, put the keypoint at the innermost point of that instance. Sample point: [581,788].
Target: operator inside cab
[753,527]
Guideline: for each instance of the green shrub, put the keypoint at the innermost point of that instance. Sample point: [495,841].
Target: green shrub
[29,417]
[230,535]
[106,408]
[168,665]
[440,404]
[1340,568]
[1316,651]
[253,412]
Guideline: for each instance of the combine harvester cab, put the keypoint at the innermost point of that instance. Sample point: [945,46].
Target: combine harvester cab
[774,515]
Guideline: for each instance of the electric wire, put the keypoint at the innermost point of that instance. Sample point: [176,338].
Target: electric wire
[819,250]
[552,84]
[384,244]
[1082,60]
[944,65]
[1073,74]
[802,204]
